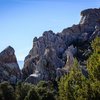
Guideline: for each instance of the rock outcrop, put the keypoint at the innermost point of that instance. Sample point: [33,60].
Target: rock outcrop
[9,69]
[89,19]
[48,56]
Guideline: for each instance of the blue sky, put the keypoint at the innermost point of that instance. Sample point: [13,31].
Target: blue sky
[22,20]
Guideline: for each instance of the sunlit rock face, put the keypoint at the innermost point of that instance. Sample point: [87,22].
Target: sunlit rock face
[9,69]
[51,52]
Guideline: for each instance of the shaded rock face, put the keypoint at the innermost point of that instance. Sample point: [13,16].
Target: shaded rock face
[9,69]
[89,19]
[96,32]
[29,67]
[51,52]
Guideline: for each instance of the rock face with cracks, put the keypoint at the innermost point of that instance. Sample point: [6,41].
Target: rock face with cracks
[51,52]
[9,69]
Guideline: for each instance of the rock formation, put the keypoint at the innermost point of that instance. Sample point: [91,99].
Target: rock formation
[48,56]
[9,69]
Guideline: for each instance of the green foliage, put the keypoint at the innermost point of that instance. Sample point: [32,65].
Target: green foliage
[42,84]
[45,90]
[62,90]
[6,91]
[96,45]
[93,63]
[93,66]
[42,91]
[32,95]
[48,96]
[22,90]
[75,86]
[47,85]
[72,86]
[95,90]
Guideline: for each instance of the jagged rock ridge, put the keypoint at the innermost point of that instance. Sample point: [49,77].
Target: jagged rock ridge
[47,58]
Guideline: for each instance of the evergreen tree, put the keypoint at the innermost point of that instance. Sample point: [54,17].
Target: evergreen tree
[45,90]
[93,63]
[73,86]
[22,90]
[32,95]
[93,66]
[96,45]
[6,91]
[62,90]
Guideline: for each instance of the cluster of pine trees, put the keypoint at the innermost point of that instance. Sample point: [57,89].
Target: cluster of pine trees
[73,86]
[76,86]
[26,91]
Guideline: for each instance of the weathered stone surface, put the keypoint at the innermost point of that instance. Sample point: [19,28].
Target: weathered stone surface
[9,69]
[33,78]
[89,20]
[29,67]
[60,72]
[96,32]
[70,52]
[41,50]
[48,63]
[83,38]
[49,52]
[48,39]
[7,56]
[71,34]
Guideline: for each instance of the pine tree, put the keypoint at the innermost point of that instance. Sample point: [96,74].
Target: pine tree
[96,45]
[22,90]
[73,86]
[62,90]
[93,66]
[93,63]
[32,95]
[45,90]
[6,91]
